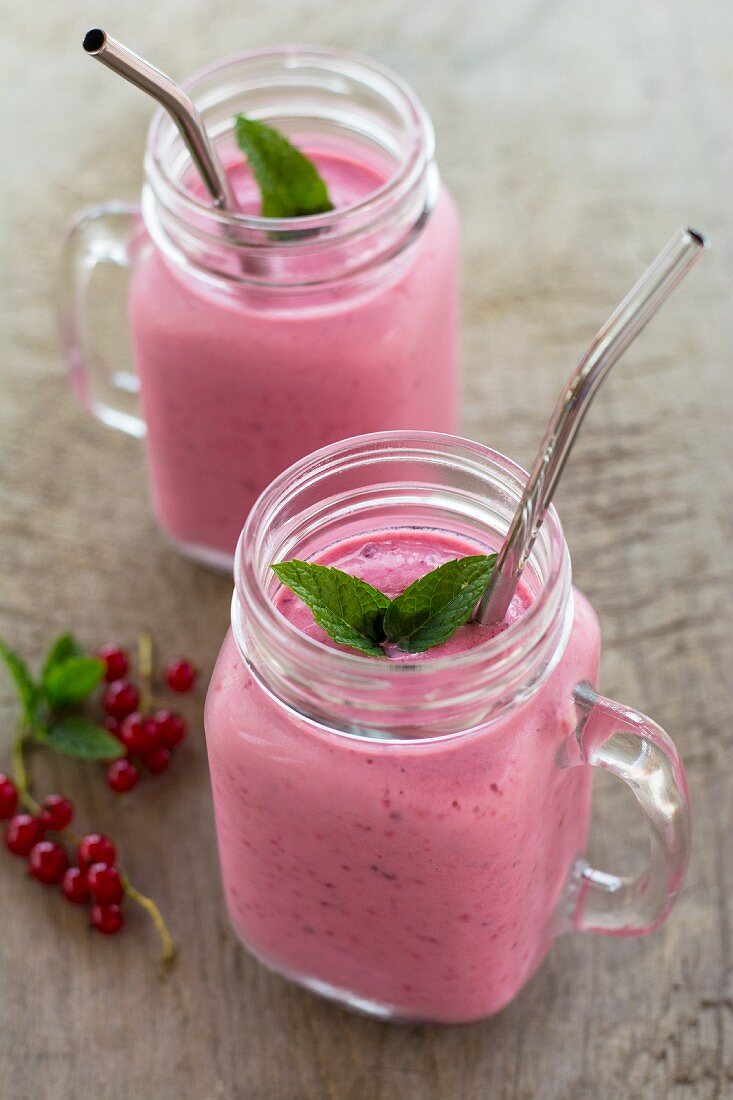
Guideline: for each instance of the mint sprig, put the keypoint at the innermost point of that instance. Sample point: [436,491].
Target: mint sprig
[63,649]
[75,735]
[349,610]
[68,677]
[289,183]
[355,614]
[69,682]
[433,607]
[27,689]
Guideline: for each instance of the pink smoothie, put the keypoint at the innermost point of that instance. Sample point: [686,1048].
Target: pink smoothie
[390,562]
[419,878]
[238,383]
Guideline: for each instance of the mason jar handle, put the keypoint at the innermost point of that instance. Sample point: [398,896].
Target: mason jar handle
[100,235]
[628,744]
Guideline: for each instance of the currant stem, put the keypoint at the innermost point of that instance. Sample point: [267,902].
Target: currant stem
[21,777]
[145,669]
[169,947]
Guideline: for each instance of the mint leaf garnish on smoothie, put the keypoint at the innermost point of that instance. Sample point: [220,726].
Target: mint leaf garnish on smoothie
[355,614]
[349,610]
[430,611]
[289,182]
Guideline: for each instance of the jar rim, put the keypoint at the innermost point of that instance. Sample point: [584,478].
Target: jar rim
[313,654]
[349,63]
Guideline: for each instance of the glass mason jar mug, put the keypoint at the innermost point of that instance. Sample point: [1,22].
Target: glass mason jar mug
[406,837]
[257,340]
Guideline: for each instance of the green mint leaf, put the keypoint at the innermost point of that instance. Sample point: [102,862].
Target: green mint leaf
[431,610]
[289,182]
[349,610]
[72,680]
[63,648]
[77,736]
[26,686]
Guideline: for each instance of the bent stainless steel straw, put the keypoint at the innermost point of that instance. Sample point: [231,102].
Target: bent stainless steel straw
[176,102]
[606,348]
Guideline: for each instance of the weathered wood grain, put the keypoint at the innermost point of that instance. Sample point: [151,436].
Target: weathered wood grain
[576,137]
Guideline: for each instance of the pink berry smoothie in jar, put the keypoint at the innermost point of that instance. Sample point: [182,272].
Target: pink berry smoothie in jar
[405,834]
[257,340]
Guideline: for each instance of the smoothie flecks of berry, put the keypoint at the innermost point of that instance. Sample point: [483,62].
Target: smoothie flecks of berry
[418,878]
[237,383]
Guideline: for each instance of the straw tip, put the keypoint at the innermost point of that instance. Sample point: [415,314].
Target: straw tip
[698,237]
[94,40]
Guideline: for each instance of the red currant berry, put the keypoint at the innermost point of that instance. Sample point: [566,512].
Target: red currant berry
[180,675]
[96,848]
[116,662]
[112,725]
[22,833]
[48,862]
[138,733]
[120,698]
[75,886]
[8,797]
[56,812]
[122,776]
[104,882]
[157,760]
[107,918]
[171,728]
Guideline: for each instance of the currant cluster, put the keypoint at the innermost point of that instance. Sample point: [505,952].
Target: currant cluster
[148,738]
[95,877]
[52,705]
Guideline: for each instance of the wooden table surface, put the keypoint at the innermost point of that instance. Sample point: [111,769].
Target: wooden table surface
[576,137]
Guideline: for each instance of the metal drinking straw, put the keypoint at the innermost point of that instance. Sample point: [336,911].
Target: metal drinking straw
[179,106]
[606,348]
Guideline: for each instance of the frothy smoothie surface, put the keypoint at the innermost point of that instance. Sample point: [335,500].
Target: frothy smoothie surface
[391,561]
